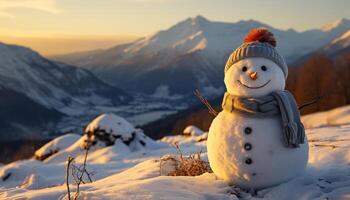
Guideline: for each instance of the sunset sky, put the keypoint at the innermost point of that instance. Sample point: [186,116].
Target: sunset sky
[75,25]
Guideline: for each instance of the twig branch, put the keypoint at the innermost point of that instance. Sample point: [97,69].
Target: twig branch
[205,102]
[80,178]
[326,145]
[69,162]
[74,174]
[179,150]
[331,91]
[77,173]
[309,103]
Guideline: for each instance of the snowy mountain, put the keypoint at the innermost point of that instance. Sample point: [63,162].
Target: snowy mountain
[341,43]
[38,91]
[55,85]
[338,26]
[117,171]
[196,50]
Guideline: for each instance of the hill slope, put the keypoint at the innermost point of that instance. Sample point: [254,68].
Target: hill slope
[38,91]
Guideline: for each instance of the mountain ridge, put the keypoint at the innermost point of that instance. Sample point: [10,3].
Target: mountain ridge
[195,48]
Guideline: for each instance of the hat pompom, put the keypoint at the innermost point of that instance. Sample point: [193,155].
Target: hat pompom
[260,35]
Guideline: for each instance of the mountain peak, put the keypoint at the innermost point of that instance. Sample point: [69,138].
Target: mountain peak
[200,18]
[336,24]
[193,21]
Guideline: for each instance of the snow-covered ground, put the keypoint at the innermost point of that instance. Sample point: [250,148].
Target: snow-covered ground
[119,173]
[332,117]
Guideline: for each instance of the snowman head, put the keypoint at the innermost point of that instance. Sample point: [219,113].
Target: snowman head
[255,68]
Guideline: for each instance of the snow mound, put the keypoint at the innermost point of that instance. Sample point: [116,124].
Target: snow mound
[55,146]
[111,124]
[192,131]
[30,174]
[109,129]
[108,136]
[333,117]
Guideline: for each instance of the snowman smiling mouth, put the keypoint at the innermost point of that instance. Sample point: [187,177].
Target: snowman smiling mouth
[252,87]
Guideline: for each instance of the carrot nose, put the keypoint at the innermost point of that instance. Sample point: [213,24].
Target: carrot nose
[253,75]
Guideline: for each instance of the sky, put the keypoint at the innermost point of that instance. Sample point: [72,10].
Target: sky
[75,25]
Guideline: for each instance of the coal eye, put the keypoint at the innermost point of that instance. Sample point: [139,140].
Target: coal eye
[264,68]
[244,69]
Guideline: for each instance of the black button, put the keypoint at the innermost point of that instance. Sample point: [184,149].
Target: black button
[248,161]
[248,130]
[254,174]
[247,146]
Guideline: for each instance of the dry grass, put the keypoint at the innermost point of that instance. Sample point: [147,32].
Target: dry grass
[191,165]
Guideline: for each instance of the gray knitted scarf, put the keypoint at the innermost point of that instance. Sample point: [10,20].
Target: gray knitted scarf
[280,102]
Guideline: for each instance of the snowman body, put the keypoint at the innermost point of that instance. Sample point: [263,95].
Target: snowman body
[249,151]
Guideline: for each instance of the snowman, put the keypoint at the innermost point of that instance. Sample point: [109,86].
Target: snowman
[258,140]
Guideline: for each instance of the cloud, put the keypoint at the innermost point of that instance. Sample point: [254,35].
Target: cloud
[48,6]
